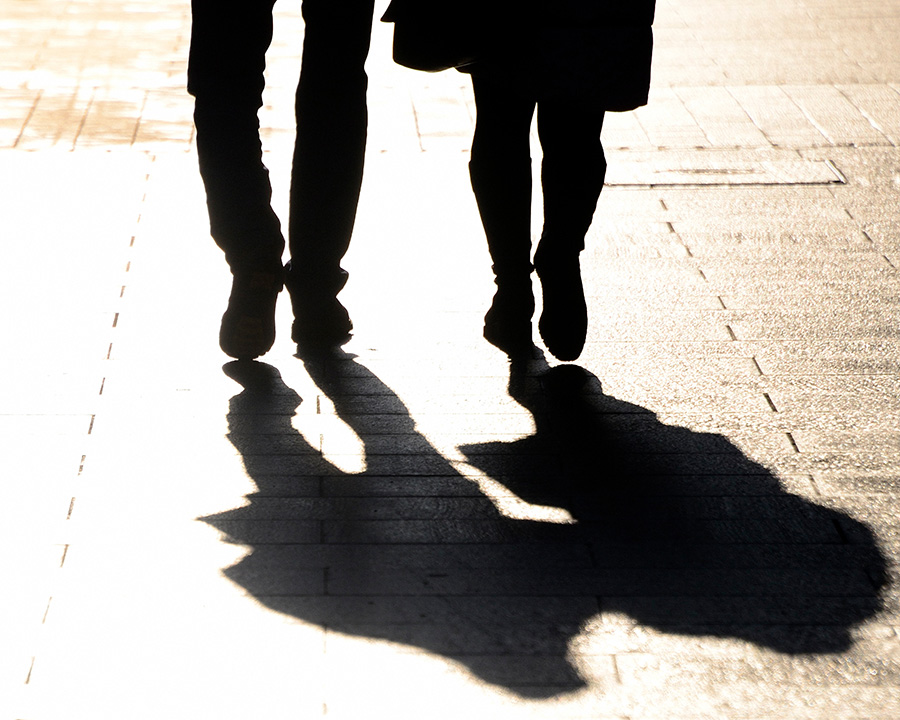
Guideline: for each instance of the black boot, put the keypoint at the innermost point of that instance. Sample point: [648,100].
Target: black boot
[503,194]
[248,325]
[564,318]
[320,320]
[507,324]
[573,170]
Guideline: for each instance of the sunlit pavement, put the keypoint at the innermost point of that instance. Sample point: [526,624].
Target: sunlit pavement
[414,528]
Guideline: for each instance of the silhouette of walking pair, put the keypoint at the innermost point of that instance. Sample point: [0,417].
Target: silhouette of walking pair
[676,529]
[571,62]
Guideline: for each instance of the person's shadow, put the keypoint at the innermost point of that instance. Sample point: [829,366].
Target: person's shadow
[677,529]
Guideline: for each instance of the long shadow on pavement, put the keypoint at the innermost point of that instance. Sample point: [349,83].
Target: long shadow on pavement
[677,529]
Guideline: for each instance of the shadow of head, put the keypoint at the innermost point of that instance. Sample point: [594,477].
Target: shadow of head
[678,530]
[688,534]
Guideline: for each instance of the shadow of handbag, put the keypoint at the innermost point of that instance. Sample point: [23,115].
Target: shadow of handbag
[430,38]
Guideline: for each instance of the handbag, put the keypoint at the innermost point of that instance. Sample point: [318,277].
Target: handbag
[432,36]
[605,66]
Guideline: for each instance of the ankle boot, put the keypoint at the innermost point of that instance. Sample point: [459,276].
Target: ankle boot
[248,325]
[507,324]
[320,319]
[564,319]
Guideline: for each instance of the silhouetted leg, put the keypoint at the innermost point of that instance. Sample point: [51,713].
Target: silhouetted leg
[328,161]
[572,172]
[225,75]
[500,170]
[572,175]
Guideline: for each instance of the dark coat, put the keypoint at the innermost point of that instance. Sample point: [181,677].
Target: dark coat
[587,51]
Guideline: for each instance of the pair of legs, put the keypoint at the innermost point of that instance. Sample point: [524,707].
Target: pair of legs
[225,76]
[572,174]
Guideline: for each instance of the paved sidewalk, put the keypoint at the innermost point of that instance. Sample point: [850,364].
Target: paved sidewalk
[698,519]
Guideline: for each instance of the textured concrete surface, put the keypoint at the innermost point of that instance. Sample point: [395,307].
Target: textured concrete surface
[698,519]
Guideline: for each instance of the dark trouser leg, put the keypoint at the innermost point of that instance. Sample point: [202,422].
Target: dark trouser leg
[225,76]
[331,140]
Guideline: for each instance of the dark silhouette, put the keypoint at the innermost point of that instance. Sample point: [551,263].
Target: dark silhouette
[677,529]
[225,75]
[582,59]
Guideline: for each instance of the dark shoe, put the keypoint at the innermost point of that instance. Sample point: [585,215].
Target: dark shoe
[320,320]
[248,325]
[507,324]
[563,323]
[325,324]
